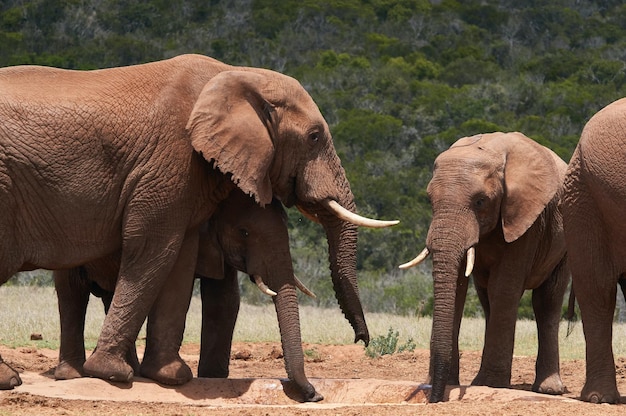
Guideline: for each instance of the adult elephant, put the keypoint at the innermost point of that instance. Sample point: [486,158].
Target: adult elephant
[595,232]
[495,214]
[242,236]
[140,156]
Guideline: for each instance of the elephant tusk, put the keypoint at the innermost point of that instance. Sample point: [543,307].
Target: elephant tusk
[262,286]
[417,260]
[356,219]
[471,255]
[303,288]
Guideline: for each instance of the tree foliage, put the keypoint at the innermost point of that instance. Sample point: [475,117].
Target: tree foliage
[398,81]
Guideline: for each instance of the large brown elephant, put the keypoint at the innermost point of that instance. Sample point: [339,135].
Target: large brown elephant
[495,215]
[134,159]
[595,232]
[242,236]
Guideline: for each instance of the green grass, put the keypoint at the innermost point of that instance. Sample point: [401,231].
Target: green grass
[27,310]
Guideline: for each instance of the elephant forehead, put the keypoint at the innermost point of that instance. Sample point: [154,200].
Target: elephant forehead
[470,161]
[462,174]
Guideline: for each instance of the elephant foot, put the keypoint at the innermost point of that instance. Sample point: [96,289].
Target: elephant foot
[550,385]
[9,378]
[108,367]
[171,373]
[67,370]
[492,380]
[212,370]
[599,395]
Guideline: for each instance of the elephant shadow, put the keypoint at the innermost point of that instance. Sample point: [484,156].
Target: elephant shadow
[238,388]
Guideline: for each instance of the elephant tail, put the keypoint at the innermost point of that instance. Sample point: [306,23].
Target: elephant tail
[570,315]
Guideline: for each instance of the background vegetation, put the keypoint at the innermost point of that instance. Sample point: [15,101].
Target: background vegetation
[397,80]
[257,323]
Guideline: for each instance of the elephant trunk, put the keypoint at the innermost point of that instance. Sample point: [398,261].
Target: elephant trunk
[449,242]
[286,304]
[342,246]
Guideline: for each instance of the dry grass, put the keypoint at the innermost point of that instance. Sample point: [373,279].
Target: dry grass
[27,310]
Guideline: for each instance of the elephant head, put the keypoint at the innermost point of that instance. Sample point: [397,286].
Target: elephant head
[491,183]
[254,240]
[265,130]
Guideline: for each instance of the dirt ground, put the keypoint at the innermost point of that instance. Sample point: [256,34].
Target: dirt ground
[351,383]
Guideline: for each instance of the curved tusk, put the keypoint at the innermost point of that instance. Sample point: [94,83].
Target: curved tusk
[417,260]
[471,255]
[303,288]
[356,219]
[262,286]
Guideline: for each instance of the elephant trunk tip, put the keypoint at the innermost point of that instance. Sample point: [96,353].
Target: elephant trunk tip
[362,337]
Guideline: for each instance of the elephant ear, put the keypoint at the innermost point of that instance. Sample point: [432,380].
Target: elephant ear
[210,262]
[532,176]
[230,124]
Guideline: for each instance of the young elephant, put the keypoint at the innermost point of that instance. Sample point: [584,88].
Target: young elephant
[240,236]
[495,214]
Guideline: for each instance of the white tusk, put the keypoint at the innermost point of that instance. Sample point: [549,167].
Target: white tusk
[471,255]
[303,288]
[417,260]
[356,219]
[262,286]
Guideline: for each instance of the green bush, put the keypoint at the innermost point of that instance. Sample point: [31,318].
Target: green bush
[386,345]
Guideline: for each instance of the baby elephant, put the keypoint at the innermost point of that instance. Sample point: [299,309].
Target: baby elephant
[495,215]
[241,235]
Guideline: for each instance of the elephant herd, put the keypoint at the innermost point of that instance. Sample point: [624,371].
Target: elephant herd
[131,182]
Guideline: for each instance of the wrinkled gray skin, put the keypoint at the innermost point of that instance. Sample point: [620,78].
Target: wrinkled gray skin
[240,236]
[498,193]
[140,156]
[595,231]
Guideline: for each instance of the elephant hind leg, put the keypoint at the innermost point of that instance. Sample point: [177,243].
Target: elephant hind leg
[547,302]
[73,296]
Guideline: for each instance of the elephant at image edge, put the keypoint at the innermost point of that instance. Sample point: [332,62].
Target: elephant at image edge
[495,215]
[595,233]
[140,156]
[240,236]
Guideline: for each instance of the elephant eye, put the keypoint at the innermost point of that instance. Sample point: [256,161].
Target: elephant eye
[314,137]
[244,233]
[479,202]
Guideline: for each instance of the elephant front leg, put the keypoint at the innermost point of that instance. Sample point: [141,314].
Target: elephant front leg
[146,263]
[166,322]
[9,378]
[220,307]
[547,302]
[496,362]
